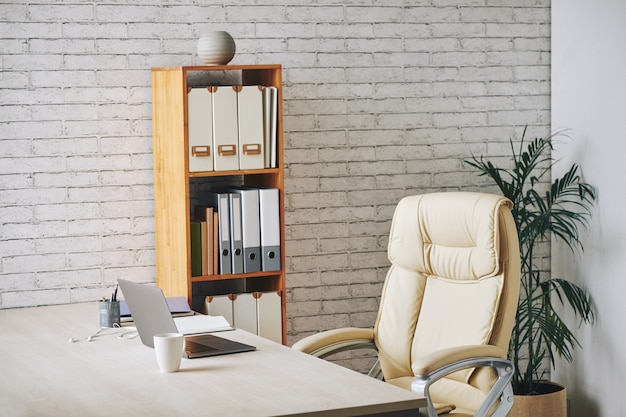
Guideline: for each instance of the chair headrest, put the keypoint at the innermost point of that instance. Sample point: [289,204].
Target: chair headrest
[452,235]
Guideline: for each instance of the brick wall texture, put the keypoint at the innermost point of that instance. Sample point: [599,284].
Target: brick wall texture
[382,99]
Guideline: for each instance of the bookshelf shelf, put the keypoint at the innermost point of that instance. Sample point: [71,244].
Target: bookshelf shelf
[266,171]
[218,277]
[176,188]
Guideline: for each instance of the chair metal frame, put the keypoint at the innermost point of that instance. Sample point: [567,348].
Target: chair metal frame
[501,391]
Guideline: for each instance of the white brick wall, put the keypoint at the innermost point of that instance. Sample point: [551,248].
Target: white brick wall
[381,101]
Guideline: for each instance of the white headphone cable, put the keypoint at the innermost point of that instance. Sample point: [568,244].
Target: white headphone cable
[127,334]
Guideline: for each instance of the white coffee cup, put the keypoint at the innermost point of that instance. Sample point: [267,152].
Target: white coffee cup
[169,350]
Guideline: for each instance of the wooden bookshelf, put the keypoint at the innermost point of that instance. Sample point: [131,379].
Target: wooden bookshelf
[175,187]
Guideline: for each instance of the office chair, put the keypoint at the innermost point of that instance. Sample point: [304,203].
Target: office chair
[448,304]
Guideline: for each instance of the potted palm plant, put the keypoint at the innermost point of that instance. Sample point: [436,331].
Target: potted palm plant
[561,209]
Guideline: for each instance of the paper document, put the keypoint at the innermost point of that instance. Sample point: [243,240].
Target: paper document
[201,323]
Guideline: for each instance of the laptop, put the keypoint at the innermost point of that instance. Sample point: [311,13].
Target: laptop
[178,307]
[151,314]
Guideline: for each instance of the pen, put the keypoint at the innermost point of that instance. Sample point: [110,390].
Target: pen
[114,296]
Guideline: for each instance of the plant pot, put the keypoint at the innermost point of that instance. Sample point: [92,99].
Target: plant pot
[550,402]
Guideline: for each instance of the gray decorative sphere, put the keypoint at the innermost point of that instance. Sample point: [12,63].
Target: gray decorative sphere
[216,48]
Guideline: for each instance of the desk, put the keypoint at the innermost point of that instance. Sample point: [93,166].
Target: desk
[42,374]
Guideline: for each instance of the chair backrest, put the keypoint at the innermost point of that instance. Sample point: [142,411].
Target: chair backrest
[454,280]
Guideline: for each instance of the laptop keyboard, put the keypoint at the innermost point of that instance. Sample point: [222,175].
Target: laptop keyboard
[194,347]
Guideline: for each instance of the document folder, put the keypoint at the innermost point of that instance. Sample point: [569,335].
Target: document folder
[216,245]
[225,130]
[270,115]
[250,123]
[245,313]
[258,312]
[195,232]
[269,214]
[269,313]
[205,215]
[236,245]
[203,247]
[219,305]
[220,203]
[200,129]
[250,228]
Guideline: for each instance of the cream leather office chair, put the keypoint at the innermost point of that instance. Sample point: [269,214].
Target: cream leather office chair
[448,304]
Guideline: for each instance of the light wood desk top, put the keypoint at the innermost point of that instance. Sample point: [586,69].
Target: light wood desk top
[45,375]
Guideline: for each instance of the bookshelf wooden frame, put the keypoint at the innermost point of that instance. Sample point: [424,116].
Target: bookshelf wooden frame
[172,199]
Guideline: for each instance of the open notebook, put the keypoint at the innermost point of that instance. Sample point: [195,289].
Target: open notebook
[201,323]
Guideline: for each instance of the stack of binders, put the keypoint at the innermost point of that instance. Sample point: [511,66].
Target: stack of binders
[258,312]
[242,232]
[232,128]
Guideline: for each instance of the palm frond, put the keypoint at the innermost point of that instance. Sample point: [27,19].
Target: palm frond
[576,297]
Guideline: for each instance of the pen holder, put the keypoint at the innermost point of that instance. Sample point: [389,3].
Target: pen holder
[109,314]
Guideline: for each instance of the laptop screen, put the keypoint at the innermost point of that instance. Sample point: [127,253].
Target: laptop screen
[149,309]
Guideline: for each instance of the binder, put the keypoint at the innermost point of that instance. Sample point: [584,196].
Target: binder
[250,228]
[195,233]
[220,203]
[269,316]
[236,244]
[245,313]
[258,313]
[225,130]
[216,245]
[205,215]
[200,129]
[270,115]
[204,255]
[250,124]
[219,305]
[269,215]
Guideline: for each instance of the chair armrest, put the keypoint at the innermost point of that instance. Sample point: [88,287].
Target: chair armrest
[437,360]
[334,341]
[439,364]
